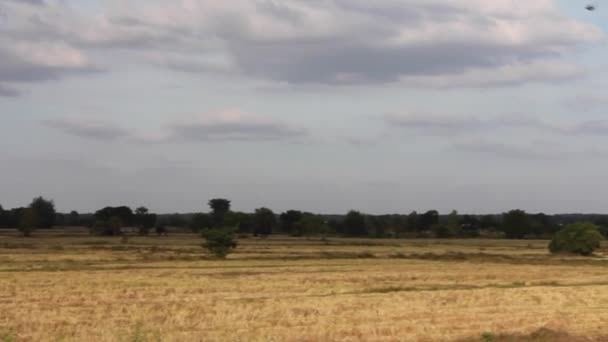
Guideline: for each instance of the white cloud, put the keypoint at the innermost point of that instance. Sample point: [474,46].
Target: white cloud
[435,43]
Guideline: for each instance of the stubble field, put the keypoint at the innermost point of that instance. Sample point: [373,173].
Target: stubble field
[70,287]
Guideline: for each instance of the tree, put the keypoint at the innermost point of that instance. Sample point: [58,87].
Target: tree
[311,224]
[219,242]
[161,230]
[74,218]
[450,229]
[288,222]
[579,238]
[29,222]
[45,212]
[176,220]
[144,220]
[199,222]
[124,213]
[488,222]
[354,224]
[115,226]
[470,226]
[4,218]
[411,222]
[377,225]
[264,222]
[219,208]
[428,220]
[541,225]
[516,224]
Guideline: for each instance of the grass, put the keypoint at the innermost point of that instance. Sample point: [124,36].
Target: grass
[289,289]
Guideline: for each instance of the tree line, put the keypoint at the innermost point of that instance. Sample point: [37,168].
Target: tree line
[111,221]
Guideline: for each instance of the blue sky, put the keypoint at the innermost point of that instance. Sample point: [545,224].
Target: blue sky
[383,106]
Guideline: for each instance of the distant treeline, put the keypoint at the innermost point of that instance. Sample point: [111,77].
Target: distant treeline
[515,224]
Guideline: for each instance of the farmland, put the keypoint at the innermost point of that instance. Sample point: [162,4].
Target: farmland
[68,286]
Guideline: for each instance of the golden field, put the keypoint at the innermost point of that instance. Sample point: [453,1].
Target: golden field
[63,287]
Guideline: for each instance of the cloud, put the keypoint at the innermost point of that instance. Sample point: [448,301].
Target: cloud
[90,129]
[8,92]
[28,2]
[592,127]
[506,75]
[30,54]
[434,124]
[221,126]
[502,150]
[231,126]
[430,42]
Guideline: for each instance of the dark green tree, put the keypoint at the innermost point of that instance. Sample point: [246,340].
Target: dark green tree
[450,229]
[219,242]
[115,225]
[124,213]
[579,238]
[470,226]
[144,220]
[4,218]
[288,222]
[516,224]
[29,222]
[74,218]
[488,222]
[219,208]
[412,222]
[45,212]
[311,224]
[264,222]
[199,222]
[428,220]
[355,224]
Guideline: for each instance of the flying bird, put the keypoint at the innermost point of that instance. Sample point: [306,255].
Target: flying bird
[590,7]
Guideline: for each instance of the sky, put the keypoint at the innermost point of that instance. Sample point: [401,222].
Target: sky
[383,106]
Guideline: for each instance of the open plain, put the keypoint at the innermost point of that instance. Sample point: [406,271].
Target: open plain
[68,286]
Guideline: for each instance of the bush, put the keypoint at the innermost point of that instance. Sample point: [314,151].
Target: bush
[578,238]
[28,222]
[219,242]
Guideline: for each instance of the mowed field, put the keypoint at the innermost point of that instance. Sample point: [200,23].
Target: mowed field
[70,287]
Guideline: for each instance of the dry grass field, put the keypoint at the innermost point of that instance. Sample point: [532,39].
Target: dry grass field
[63,287]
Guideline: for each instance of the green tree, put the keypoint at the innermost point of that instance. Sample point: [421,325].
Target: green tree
[29,222]
[4,218]
[428,220]
[264,222]
[219,242]
[114,226]
[488,222]
[516,224]
[289,219]
[124,213]
[45,212]
[578,238]
[355,224]
[411,222]
[470,226]
[74,218]
[144,220]
[311,224]
[219,208]
[450,229]
[199,222]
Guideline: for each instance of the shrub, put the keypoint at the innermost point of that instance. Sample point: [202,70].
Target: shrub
[579,238]
[219,242]
[28,222]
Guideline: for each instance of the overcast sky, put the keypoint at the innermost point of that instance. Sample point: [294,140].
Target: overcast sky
[322,105]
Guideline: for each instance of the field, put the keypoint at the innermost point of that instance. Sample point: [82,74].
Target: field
[70,287]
